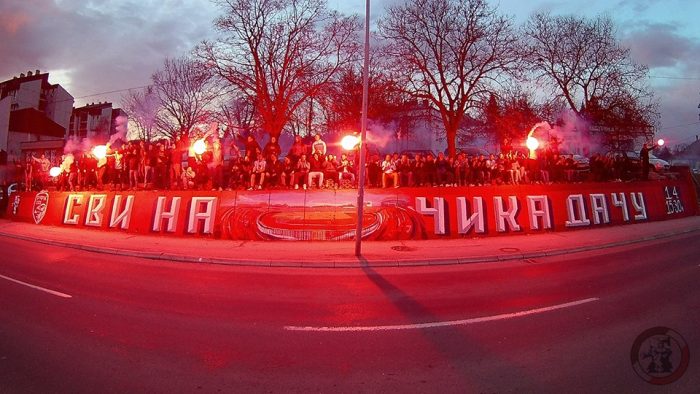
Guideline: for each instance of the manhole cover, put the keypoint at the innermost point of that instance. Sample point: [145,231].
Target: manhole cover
[508,250]
[402,248]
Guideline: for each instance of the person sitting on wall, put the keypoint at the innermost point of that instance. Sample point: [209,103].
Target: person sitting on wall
[258,173]
[417,164]
[345,169]
[462,169]
[317,166]
[301,172]
[405,170]
[287,173]
[429,171]
[273,171]
[443,170]
[330,172]
[374,170]
[235,174]
[389,171]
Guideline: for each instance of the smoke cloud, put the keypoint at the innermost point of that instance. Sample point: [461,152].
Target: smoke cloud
[121,125]
[571,134]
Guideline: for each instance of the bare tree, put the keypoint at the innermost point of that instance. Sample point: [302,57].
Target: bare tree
[187,91]
[143,107]
[341,101]
[279,53]
[507,119]
[238,114]
[449,52]
[587,67]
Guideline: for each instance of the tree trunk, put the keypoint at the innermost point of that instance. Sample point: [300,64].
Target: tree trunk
[451,122]
[451,135]
[274,127]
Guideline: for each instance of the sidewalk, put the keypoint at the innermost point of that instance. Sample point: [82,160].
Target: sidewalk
[341,254]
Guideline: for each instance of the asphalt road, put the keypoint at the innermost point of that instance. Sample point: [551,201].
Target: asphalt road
[565,324]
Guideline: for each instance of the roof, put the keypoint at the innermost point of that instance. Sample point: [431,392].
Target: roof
[691,151]
[33,121]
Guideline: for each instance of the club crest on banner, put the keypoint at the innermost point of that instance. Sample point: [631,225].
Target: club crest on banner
[41,202]
[15,204]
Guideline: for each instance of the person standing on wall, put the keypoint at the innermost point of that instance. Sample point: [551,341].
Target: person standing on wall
[319,146]
[644,161]
[272,148]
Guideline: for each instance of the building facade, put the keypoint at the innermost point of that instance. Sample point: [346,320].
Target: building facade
[96,122]
[34,116]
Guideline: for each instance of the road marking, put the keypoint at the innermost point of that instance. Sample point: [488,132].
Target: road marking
[53,292]
[444,323]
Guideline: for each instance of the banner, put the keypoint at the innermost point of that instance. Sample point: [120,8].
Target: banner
[389,214]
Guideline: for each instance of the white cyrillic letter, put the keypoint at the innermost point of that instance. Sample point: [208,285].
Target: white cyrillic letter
[639,206]
[123,217]
[438,212]
[599,207]
[502,215]
[476,220]
[619,200]
[94,215]
[207,215]
[542,212]
[71,202]
[580,219]
[170,215]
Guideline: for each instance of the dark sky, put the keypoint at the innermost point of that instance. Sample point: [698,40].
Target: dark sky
[100,46]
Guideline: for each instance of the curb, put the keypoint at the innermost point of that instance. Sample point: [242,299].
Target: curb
[343,263]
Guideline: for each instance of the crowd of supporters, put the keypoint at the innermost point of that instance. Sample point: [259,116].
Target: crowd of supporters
[138,165]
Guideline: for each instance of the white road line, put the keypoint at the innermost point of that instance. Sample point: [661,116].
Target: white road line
[52,292]
[445,323]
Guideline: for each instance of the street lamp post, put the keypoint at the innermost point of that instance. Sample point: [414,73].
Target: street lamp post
[363,135]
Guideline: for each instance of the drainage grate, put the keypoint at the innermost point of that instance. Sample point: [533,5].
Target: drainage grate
[402,248]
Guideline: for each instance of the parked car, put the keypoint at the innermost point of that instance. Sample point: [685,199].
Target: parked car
[413,152]
[632,157]
[656,164]
[686,163]
[472,151]
[582,163]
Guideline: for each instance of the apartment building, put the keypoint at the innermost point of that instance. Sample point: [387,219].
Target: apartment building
[95,121]
[34,116]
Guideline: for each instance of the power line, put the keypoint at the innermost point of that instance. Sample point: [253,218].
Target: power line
[113,91]
[81,97]
[670,77]
[679,125]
